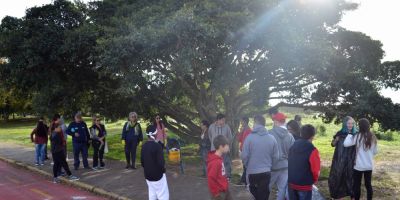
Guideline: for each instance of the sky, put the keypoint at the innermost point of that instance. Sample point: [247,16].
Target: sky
[376,18]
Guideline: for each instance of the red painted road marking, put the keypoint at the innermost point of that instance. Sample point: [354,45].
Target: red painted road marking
[19,184]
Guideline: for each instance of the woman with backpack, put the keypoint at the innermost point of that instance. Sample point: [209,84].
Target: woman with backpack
[98,135]
[366,148]
[39,137]
[131,137]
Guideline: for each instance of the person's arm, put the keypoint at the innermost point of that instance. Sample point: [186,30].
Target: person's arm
[375,150]
[160,157]
[315,164]
[140,133]
[33,133]
[349,141]
[245,152]
[123,134]
[275,151]
[69,132]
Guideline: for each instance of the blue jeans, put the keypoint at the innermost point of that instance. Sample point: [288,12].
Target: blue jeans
[80,148]
[39,155]
[203,154]
[299,195]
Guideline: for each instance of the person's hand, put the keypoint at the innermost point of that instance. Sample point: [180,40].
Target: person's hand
[76,134]
[123,142]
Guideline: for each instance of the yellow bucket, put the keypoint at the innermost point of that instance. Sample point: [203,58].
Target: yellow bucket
[174,156]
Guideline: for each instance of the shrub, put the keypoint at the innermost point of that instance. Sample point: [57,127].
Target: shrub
[321,130]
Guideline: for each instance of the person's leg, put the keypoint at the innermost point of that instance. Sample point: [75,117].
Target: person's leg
[357,175]
[227,165]
[268,179]
[204,162]
[368,185]
[151,190]
[64,164]
[133,153]
[304,195]
[85,155]
[41,153]
[292,194]
[282,183]
[101,155]
[273,180]
[37,154]
[96,146]
[128,152]
[56,165]
[243,177]
[162,189]
[76,154]
[253,186]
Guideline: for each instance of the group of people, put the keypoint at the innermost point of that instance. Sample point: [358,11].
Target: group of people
[283,157]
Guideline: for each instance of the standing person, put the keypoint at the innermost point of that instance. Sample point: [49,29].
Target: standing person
[161,136]
[260,151]
[297,118]
[294,128]
[57,150]
[98,134]
[131,136]
[366,148]
[80,140]
[216,174]
[340,179]
[39,137]
[64,130]
[220,128]
[285,140]
[242,135]
[304,165]
[205,145]
[152,159]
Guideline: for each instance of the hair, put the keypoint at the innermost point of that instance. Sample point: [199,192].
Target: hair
[365,136]
[344,125]
[295,126]
[133,114]
[41,128]
[56,117]
[272,111]
[205,123]
[307,131]
[219,141]
[155,121]
[260,120]
[220,116]
[246,120]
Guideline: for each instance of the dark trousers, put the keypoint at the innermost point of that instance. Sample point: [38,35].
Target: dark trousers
[243,178]
[223,196]
[259,185]
[98,153]
[357,176]
[130,151]
[80,148]
[299,195]
[60,162]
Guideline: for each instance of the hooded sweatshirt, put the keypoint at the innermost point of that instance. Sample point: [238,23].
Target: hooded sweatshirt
[214,130]
[217,181]
[285,141]
[260,151]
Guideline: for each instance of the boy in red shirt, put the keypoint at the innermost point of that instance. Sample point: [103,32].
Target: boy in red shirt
[217,181]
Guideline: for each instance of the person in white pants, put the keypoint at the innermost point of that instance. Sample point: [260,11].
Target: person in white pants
[153,162]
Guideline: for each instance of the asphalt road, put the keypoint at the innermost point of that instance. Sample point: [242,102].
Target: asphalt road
[20,184]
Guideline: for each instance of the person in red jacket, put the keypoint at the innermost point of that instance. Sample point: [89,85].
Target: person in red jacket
[217,180]
[244,132]
[304,165]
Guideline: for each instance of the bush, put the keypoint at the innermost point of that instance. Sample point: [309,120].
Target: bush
[388,136]
[321,130]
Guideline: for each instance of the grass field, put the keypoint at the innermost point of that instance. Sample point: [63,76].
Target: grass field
[386,179]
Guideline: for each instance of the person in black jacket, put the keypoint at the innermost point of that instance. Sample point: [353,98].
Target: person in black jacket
[57,150]
[98,135]
[131,137]
[153,163]
[205,145]
[80,140]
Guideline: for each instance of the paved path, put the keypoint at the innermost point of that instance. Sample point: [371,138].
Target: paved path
[128,183]
[20,184]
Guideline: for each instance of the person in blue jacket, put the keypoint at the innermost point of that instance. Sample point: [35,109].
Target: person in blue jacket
[80,140]
[131,136]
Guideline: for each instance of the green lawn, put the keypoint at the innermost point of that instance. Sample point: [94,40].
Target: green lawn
[386,178]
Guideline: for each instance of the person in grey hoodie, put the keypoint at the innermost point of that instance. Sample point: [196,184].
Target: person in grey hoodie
[279,175]
[260,152]
[221,128]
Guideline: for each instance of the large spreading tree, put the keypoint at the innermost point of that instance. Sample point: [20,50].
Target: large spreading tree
[192,59]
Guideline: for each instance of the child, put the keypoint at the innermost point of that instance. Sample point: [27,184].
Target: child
[217,180]
[57,150]
[152,160]
[304,165]
[366,145]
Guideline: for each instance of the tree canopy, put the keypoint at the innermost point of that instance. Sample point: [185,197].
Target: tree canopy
[189,60]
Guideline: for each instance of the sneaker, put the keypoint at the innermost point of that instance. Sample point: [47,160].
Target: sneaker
[128,166]
[95,168]
[56,180]
[52,163]
[73,178]
[36,164]
[133,167]
[62,174]
[41,164]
